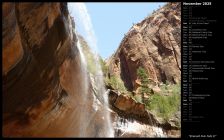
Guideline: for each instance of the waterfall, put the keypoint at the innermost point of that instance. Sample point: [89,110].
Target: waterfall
[132,128]
[124,127]
[79,11]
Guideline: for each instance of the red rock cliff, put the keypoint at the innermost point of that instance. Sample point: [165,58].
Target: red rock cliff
[41,72]
[153,44]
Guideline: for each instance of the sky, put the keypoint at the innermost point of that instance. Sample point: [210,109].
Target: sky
[110,21]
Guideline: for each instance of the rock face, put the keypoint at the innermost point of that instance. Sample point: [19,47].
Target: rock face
[153,44]
[130,109]
[42,78]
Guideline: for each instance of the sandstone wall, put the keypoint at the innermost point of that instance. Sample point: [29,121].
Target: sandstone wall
[41,72]
[153,44]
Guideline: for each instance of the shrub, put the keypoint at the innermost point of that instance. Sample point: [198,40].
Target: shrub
[138,98]
[165,106]
[116,83]
[103,66]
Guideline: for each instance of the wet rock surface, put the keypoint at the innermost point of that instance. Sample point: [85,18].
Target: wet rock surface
[36,46]
[42,75]
[128,108]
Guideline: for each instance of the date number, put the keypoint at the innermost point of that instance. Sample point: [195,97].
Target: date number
[207,3]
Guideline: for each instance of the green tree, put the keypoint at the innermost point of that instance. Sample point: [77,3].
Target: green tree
[141,73]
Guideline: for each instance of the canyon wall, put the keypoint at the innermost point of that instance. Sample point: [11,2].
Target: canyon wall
[42,78]
[144,73]
[153,44]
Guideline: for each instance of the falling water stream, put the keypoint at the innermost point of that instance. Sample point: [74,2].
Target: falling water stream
[125,127]
[132,128]
[79,11]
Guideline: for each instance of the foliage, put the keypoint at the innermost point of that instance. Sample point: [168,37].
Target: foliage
[165,106]
[91,58]
[91,64]
[138,98]
[116,83]
[103,66]
[141,73]
[130,94]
